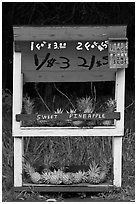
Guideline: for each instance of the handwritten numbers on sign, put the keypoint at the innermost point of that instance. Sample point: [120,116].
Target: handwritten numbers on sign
[66,62]
[88,45]
[48,45]
[106,60]
[84,64]
[44,61]
[51,62]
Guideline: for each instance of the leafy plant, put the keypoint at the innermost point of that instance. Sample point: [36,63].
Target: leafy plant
[86,105]
[111,105]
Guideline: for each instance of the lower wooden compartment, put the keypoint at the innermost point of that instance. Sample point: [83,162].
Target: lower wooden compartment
[82,187]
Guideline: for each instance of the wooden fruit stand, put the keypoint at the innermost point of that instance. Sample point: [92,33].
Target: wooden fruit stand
[69,54]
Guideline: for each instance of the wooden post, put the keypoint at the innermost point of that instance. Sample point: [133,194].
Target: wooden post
[18,151]
[17,106]
[117,159]
[117,141]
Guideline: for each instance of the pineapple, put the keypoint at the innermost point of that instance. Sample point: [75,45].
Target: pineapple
[55,177]
[93,173]
[28,108]
[67,178]
[46,177]
[97,174]
[111,107]
[79,177]
[28,105]
[30,171]
[104,170]
[86,105]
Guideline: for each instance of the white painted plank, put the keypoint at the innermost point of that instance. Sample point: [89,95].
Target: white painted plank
[117,141]
[18,150]
[68,33]
[117,158]
[120,98]
[17,90]
[37,132]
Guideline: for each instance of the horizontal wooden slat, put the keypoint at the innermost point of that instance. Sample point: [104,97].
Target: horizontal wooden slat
[109,131]
[83,76]
[68,33]
[67,116]
[66,188]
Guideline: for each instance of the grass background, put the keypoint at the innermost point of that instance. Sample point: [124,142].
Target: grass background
[73,150]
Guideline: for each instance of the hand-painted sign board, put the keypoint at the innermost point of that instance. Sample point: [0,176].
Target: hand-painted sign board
[68,54]
[54,56]
[67,116]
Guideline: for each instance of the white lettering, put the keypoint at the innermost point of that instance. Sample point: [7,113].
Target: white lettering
[44,117]
[80,115]
[87,45]
[70,115]
[89,116]
[103,116]
[55,116]
[32,46]
[75,115]
[79,46]
[84,116]
[38,117]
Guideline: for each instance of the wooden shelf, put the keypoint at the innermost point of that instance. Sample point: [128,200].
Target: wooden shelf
[83,187]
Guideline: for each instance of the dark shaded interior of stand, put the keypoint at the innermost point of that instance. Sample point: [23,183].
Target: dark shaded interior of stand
[64,95]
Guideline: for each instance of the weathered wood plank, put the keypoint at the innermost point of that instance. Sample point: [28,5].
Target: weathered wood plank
[83,76]
[120,97]
[18,151]
[73,57]
[117,158]
[66,131]
[17,89]
[67,188]
[67,116]
[69,76]
[68,33]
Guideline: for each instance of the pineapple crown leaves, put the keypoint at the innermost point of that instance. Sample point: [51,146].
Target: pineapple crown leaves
[106,165]
[87,104]
[111,104]
[31,158]
[94,168]
[28,168]
[71,111]
[28,104]
[58,111]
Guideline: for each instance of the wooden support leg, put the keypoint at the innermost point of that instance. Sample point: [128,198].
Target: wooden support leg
[18,150]
[117,158]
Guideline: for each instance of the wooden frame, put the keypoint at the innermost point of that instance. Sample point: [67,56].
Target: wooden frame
[116,132]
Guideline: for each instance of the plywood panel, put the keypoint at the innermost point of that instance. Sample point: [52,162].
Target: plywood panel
[68,33]
[71,58]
